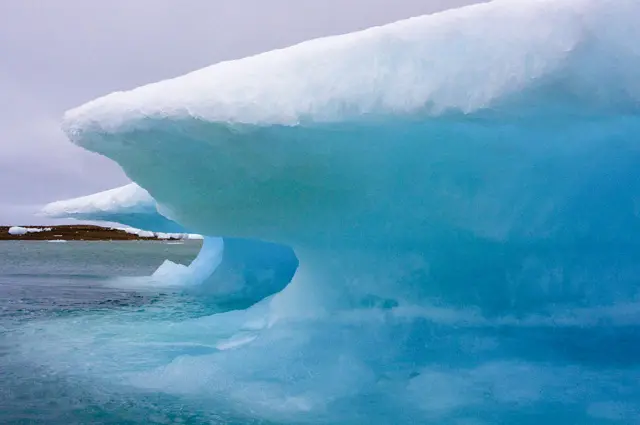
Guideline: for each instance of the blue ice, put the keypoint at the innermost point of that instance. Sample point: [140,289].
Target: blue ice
[462,196]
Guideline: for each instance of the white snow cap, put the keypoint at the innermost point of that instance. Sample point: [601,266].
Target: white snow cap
[125,199]
[464,60]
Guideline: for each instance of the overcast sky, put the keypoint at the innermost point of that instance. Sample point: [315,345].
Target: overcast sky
[56,55]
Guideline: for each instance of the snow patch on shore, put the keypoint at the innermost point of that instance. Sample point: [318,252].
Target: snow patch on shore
[18,230]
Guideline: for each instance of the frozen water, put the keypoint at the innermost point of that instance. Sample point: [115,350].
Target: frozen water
[129,204]
[466,60]
[17,230]
[461,191]
[250,271]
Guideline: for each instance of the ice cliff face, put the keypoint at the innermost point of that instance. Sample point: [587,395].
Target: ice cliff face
[444,181]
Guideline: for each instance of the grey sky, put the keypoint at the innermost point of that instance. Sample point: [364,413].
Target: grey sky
[59,54]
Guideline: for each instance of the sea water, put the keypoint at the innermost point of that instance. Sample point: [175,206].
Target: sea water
[41,283]
[76,325]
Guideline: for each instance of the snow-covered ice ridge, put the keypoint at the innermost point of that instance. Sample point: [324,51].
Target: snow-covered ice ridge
[461,192]
[130,205]
[129,198]
[467,60]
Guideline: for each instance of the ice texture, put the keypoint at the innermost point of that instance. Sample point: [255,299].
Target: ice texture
[467,60]
[129,204]
[461,192]
[249,270]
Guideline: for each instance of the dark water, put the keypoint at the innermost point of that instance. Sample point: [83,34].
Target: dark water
[41,281]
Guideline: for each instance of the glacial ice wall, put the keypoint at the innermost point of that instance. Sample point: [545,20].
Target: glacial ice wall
[461,191]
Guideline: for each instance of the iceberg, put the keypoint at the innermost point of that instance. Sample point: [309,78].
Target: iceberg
[405,138]
[129,204]
[461,193]
[231,274]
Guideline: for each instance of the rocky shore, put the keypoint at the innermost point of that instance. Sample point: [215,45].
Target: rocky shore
[75,233]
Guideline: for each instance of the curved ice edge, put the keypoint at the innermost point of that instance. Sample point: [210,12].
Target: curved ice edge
[235,276]
[230,274]
[200,269]
[130,205]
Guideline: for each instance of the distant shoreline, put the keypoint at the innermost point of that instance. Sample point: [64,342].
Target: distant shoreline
[75,233]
